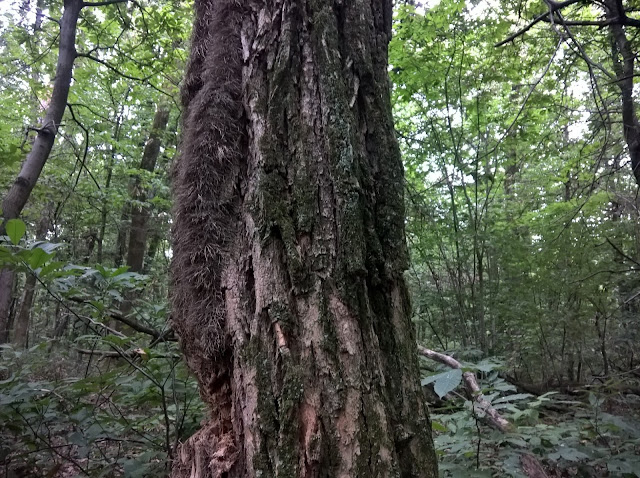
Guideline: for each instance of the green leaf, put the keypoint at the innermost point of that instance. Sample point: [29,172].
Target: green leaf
[47,247]
[448,382]
[569,454]
[512,398]
[444,382]
[49,268]
[437,426]
[15,230]
[487,366]
[38,257]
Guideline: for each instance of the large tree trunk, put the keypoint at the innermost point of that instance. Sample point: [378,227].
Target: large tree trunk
[289,248]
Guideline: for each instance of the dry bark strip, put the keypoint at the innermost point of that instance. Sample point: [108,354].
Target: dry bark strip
[532,467]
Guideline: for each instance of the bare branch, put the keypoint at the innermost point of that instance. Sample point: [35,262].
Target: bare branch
[473,389]
[102,4]
[553,7]
[619,251]
[111,67]
[134,353]
[166,335]
[124,75]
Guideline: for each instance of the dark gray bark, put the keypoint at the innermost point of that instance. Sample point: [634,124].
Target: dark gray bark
[289,247]
[19,192]
[140,210]
[623,62]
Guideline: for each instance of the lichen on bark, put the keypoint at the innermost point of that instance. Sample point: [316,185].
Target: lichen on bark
[289,250]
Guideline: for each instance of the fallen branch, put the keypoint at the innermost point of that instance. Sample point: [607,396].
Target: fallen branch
[129,353]
[473,389]
[532,467]
[529,463]
[158,335]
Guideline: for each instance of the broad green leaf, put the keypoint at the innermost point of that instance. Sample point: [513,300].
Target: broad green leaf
[444,382]
[569,454]
[15,230]
[37,258]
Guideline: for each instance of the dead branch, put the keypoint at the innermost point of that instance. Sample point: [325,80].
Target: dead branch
[473,389]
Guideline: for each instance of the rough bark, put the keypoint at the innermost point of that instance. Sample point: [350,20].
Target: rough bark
[289,248]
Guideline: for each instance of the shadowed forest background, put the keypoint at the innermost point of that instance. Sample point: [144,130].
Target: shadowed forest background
[519,137]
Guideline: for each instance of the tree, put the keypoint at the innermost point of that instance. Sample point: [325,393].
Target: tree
[289,247]
[613,17]
[18,194]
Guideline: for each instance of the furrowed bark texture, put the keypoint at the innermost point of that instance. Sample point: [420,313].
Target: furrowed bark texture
[289,247]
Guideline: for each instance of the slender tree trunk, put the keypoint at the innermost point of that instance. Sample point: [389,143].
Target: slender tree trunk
[121,241]
[289,247]
[109,176]
[623,65]
[139,210]
[21,325]
[20,191]
[154,243]
[6,297]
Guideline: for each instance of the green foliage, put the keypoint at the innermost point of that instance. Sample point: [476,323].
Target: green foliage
[103,419]
[521,218]
[582,437]
[15,230]
[444,382]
